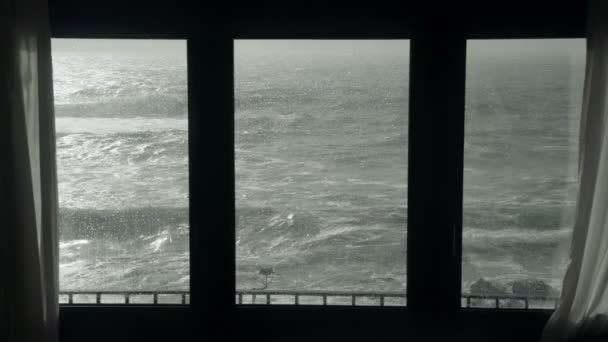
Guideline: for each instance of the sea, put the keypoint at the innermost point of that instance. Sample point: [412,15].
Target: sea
[321,146]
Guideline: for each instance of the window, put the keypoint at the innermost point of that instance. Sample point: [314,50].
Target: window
[523,105]
[321,171]
[240,115]
[122,159]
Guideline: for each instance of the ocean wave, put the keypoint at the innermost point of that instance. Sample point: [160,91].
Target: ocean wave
[258,224]
[539,216]
[297,237]
[155,105]
[116,224]
[72,125]
[122,148]
[483,238]
[73,243]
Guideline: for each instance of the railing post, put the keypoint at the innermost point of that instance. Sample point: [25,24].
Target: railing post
[381,300]
[354,300]
[184,298]
[526,304]
[324,299]
[127,295]
[268,299]
[70,298]
[155,296]
[297,299]
[98,298]
[240,298]
[497,302]
[253,298]
[468,302]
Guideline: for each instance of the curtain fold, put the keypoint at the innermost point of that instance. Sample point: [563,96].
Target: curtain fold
[28,208]
[583,308]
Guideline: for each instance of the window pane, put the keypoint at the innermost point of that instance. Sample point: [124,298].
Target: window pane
[122,159]
[523,105]
[321,169]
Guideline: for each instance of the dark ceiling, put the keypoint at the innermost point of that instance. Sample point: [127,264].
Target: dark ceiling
[297,19]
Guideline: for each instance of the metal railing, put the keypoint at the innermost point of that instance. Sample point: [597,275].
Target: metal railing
[509,301]
[323,296]
[287,297]
[149,297]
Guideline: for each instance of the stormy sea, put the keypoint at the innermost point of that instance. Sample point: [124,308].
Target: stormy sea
[321,145]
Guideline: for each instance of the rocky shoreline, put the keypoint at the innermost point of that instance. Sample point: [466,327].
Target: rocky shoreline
[532,288]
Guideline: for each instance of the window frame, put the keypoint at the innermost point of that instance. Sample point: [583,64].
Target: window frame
[210,33]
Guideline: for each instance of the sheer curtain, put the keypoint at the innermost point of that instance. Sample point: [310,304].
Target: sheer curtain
[28,195]
[583,309]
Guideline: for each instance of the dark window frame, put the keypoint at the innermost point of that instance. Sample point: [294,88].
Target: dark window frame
[437,67]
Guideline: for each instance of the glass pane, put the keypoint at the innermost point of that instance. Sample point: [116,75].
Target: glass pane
[122,159]
[321,169]
[523,105]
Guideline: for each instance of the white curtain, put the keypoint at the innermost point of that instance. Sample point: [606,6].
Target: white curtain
[28,187]
[583,309]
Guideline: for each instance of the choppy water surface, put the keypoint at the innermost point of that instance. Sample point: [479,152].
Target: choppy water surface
[321,163]
[121,119]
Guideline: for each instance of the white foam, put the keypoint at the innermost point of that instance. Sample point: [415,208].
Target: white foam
[73,243]
[514,235]
[72,125]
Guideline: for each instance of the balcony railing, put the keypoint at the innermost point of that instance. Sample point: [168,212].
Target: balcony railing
[124,297]
[286,297]
[321,298]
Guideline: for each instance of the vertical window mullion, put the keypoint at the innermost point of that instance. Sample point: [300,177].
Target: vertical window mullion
[436,135]
[211,99]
